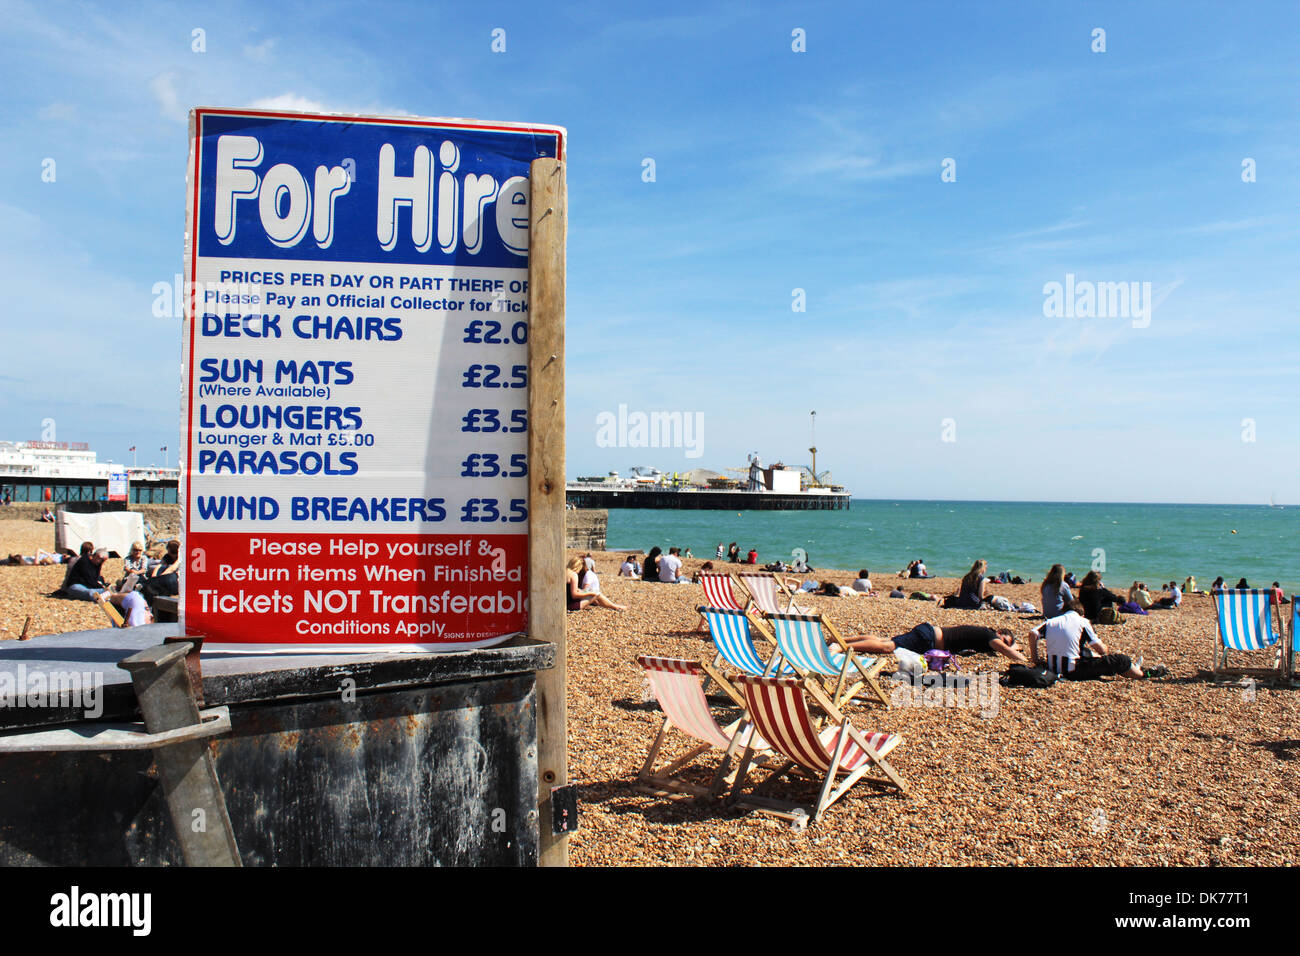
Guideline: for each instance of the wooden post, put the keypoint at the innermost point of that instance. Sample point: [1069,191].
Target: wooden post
[548,220]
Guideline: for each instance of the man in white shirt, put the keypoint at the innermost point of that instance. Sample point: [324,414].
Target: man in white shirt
[669,565]
[1064,635]
[1175,598]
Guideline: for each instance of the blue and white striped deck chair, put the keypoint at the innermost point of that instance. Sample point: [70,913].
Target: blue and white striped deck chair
[731,635]
[1295,619]
[1245,623]
[801,639]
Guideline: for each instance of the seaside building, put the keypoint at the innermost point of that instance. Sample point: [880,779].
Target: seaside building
[71,471]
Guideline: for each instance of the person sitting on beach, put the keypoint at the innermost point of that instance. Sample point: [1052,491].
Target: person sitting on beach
[669,565]
[919,569]
[1242,585]
[1056,593]
[975,587]
[1172,599]
[1189,586]
[87,548]
[733,552]
[86,583]
[752,557]
[898,593]
[1276,596]
[134,567]
[629,568]
[1139,595]
[955,639]
[863,582]
[1071,580]
[907,571]
[47,515]
[1093,596]
[1217,585]
[164,577]
[650,570]
[580,598]
[1069,657]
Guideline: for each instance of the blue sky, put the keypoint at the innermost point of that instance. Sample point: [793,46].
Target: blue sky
[774,171]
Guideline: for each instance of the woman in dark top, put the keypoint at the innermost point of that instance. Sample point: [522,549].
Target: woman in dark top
[954,638]
[1093,595]
[1218,584]
[974,586]
[650,572]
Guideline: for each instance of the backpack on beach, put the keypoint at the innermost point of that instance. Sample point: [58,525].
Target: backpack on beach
[1108,615]
[1018,675]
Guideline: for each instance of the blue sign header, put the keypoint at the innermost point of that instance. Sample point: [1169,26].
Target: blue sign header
[352,190]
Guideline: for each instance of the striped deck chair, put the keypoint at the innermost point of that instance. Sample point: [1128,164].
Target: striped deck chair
[766,592]
[1245,623]
[677,686]
[780,714]
[1295,619]
[719,593]
[801,639]
[731,632]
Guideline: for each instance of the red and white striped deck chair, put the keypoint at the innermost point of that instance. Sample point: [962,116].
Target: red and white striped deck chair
[680,692]
[780,715]
[718,593]
[767,592]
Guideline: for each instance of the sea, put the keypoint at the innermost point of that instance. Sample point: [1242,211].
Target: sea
[1154,543]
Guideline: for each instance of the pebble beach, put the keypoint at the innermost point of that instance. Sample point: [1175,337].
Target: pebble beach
[1177,771]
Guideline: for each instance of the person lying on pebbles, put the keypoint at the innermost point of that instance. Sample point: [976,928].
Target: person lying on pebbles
[579,599]
[955,639]
[1063,636]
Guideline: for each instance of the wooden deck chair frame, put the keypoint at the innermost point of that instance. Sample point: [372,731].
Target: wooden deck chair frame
[829,792]
[842,691]
[1220,665]
[112,613]
[778,589]
[744,607]
[1291,636]
[773,665]
[665,781]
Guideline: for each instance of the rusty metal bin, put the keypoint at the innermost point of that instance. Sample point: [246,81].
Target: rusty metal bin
[396,759]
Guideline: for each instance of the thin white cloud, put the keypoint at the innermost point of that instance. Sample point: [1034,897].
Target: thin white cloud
[163,88]
[261,52]
[62,112]
[289,101]
[296,103]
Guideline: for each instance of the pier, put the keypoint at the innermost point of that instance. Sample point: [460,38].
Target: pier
[583,495]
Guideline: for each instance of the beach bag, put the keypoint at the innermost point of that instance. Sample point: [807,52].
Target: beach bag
[1000,603]
[1018,675]
[909,662]
[939,660]
[1108,615]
